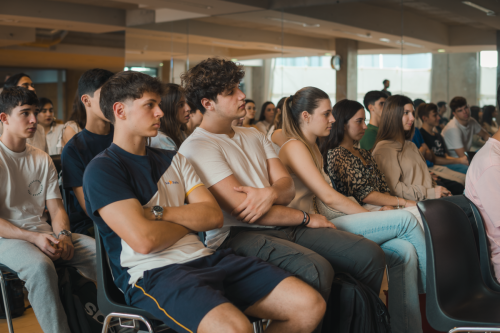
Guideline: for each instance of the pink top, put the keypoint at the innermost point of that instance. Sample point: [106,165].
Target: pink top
[482,186]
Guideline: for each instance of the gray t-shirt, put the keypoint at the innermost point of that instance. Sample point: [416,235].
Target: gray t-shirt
[457,136]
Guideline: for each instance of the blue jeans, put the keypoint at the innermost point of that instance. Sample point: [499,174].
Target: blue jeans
[402,239]
[458,167]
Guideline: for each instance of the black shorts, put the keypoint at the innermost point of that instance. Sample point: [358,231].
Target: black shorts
[182,294]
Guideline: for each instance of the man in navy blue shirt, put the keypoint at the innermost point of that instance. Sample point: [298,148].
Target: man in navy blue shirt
[149,204]
[84,146]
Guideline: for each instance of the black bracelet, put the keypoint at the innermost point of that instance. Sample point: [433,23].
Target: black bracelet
[306,219]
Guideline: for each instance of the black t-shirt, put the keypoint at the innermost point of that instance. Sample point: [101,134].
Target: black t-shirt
[434,142]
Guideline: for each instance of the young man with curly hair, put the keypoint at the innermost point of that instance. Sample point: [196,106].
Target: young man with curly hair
[241,169]
[149,204]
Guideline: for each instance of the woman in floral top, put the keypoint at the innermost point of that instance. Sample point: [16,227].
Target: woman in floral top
[353,171]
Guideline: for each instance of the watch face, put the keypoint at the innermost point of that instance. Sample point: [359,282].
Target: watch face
[157,209]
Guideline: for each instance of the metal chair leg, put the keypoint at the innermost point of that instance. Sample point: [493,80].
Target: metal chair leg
[112,315]
[6,304]
[475,329]
[257,327]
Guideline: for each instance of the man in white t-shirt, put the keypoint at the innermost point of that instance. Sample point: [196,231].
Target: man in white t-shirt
[459,131]
[28,184]
[241,169]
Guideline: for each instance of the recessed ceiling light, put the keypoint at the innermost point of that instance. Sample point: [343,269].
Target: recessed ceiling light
[161,64]
[441,50]
[385,40]
[328,54]
[488,12]
[367,35]
[305,25]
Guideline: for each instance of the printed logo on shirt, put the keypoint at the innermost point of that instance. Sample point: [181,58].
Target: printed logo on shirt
[35,188]
[172,182]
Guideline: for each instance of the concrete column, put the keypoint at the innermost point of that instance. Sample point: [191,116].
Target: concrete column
[261,84]
[347,76]
[164,71]
[455,74]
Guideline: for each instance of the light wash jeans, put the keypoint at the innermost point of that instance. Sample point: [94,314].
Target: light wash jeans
[400,236]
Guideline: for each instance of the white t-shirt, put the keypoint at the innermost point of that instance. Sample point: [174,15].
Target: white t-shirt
[163,141]
[37,141]
[263,126]
[52,138]
[217,156]
[457,136]
[27,180]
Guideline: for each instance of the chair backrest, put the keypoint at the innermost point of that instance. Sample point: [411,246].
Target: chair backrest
[57,162]
[109,297]
[470,155]
[484,251]
[453,270]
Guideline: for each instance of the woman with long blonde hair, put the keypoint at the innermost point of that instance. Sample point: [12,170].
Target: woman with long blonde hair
[307,116]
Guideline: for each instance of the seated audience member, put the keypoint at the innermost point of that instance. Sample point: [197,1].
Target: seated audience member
[195,118]
[76,123]
[148,204]
[482,187]
[47,120]
[28,184]
[398,158]
[477,113]
[24,81]
[437,151]
[84,146]
[307,115]
[249,119]
[386,84]
[460,130]
[173,123]
[374,103]
[241,169]
[440,174]
[352,170]
[266,118]
[275,130]
[416,104]
[489,119]
[444,114]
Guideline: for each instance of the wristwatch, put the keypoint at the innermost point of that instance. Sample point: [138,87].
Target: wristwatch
[158,211]
[65,233]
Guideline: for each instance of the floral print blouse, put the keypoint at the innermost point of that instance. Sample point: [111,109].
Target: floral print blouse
[352,177]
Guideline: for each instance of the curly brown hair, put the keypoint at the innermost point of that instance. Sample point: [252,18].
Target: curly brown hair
[209,78]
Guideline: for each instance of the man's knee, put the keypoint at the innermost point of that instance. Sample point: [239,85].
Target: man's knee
[43,271]
[314,270]
[370,256]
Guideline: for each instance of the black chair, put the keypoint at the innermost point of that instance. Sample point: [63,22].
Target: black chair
[112,302]
[456,293]
[484,251]
[57,162]
[470,155]
[6,304]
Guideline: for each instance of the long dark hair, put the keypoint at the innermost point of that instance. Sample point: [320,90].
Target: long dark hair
[41,103]
[79,115]
[488,111]
[169,124]
[474,113]
[306,99]
[343,111]
[391,122]
[278,118]
[263,110]
[14,80]
[252,121]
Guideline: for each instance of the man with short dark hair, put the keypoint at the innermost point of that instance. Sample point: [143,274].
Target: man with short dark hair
[458,133]
[149,204]
[28,184]
[386,84]
[84,146]
[374,103]
[241,169]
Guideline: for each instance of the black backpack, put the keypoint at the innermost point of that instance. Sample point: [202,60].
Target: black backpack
[354,308]
[79,299]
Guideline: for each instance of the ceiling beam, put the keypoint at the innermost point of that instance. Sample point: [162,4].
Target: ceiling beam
[61,15]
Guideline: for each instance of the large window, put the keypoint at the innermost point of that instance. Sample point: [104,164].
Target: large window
[488,86]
